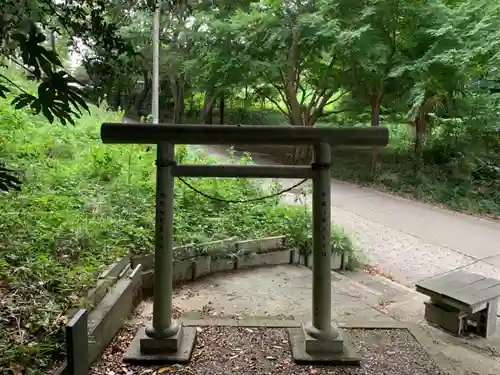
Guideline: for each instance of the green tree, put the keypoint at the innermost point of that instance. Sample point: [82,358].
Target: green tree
[23,29]
[287,52]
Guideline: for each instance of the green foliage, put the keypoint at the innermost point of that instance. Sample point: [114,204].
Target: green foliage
[251,116]
[349,63]
[83,204]
[58,95]
[459,168]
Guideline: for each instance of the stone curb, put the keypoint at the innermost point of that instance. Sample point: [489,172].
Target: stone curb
[194,269]
[107,318]
[268,251]
[230,248]
[120,285]
[116,304]
[106,280]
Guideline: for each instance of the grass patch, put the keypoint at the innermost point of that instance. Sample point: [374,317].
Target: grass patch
[83,204]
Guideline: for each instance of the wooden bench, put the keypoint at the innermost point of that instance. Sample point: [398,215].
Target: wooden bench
[462,302]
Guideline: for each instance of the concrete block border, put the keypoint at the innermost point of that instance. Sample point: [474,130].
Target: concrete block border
[112,302]
[197,261]
[121,285]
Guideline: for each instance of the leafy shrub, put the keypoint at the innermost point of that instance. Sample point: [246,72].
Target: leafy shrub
[460,162]
[245,116]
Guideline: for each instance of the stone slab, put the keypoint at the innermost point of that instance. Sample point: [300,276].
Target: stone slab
[268,244]
[468,289]
[494,261]
[202,266]
[274,291]
[222,265]
[185,252]
[182,355]
[147,261]
[387,290]
[107,318]
[379,324]
[452,321]
[248,321]
[264,259]
[348,356]
[183,271]
[148,279]
[97,294]
[218,248]
[318,346]
[115,269]
[169,344]
[335,261]
[77,344]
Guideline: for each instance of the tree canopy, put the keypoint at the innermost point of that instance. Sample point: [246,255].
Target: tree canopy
[312,60]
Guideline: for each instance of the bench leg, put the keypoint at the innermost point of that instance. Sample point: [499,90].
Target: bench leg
[451,320]
[487,320]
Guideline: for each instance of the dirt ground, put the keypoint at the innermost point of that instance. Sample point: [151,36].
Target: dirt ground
[245,351]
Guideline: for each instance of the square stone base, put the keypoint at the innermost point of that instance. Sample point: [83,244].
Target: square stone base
[316,346]
[149,345]
[298,342]
[175,350]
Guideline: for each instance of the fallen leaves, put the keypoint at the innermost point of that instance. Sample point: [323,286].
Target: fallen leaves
[375,270]
[165,370]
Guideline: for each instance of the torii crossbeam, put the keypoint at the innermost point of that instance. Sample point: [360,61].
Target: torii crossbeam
[167,340]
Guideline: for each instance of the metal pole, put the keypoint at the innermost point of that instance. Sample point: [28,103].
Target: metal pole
[163,326]
[321,318]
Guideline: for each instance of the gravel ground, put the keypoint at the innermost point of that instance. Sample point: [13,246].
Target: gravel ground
[260,351]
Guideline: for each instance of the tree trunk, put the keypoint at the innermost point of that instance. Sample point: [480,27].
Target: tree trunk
[114,97]
[178,92]
[208,105]
[221,109]
[141,97]
[301,155]
[375,114]
[420,127]
[375,121]
[191,107]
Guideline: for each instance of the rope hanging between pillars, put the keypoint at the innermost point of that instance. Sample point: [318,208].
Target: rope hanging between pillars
[173,163]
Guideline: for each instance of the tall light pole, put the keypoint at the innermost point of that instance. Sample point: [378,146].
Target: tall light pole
[163,326]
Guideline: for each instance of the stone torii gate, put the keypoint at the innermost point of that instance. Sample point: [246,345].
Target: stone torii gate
[166,340]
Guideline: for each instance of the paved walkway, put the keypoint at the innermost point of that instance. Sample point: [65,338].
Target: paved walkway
[407,239]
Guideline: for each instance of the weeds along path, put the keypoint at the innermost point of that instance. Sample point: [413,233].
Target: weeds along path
[407,240]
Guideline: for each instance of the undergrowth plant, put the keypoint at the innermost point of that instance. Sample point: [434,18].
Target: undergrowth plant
[460,166]
[82,205]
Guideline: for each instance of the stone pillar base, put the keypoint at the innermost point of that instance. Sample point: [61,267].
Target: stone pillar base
[306,349]
[175,349]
